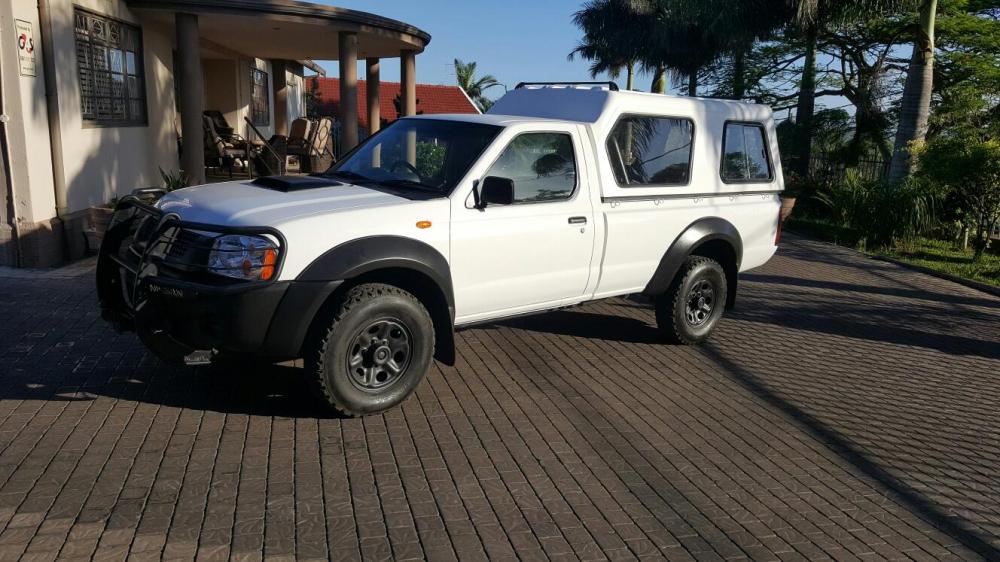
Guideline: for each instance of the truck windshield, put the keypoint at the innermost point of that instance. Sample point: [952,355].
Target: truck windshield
[419,154]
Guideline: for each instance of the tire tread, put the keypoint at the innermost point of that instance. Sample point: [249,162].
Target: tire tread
[666,320]
[316,352]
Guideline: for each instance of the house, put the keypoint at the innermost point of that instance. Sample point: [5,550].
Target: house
[431,98]
[97,96]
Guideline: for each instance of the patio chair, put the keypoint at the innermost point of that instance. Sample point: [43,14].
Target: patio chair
[217,150]
[320,155]
[299,137]
[221,125]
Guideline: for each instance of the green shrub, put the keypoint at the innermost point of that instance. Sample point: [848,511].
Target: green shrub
[804,190]
[174,179]
[970,167]
[883,214]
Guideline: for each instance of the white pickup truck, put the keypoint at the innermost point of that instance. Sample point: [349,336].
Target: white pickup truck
[558,196]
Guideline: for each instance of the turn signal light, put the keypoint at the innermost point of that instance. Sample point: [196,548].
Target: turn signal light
[423,224]
[270,258]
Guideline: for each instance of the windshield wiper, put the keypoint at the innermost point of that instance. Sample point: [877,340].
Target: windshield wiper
[409,183]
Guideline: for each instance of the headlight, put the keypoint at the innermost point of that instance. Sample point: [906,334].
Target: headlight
[243,257]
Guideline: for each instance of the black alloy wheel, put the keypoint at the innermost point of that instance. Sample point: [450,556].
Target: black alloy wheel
[691,308]
[369,350]
[379,354]
[700,302]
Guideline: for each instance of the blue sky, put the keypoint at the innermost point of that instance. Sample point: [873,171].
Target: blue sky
[514,40]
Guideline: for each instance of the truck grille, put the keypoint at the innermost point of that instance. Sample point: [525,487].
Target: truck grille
[175,251]
[187,247]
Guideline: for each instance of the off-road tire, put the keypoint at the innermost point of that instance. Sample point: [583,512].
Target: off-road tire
[672,308]
[330,342]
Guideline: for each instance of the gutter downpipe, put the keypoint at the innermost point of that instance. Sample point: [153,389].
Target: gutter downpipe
[52,111]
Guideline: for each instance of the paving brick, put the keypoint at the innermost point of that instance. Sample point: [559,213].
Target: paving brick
[846,409]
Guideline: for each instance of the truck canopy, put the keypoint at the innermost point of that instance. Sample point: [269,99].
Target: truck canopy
[600,106]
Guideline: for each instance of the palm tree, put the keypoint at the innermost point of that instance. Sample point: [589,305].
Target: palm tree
[713,29]
[474,87]
[679,36]
[607,44]
[915,106]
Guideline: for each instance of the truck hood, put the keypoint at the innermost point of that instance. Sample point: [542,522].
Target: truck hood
[241,203]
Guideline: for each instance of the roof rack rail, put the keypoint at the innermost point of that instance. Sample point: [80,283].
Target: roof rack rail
[610,85]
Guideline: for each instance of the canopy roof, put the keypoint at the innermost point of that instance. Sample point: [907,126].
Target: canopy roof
[287,29]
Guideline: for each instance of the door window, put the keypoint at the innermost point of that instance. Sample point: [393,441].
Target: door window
[542,166]
[744,157]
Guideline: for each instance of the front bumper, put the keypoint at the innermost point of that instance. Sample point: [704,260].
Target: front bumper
[149,280]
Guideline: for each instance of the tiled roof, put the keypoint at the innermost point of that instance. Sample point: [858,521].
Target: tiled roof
[430,99]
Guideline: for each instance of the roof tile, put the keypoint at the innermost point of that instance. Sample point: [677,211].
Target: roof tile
[430,99]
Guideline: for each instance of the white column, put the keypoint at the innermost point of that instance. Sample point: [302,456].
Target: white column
[348,55]
[191,101]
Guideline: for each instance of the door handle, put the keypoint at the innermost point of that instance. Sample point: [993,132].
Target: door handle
[578,220]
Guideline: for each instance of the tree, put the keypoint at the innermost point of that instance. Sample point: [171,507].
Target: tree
[916,103]
[864,51]
[688,37]
[312,98]
[397,102]
[757,72]
[966,68]
[971,167]
[606,44]
[474,87]
[812,18]
[681,37]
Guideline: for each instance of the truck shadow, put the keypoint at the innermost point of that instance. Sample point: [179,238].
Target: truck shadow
[259,390]
[582,324]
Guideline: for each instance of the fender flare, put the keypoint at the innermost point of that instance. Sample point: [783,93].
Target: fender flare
[327,273]
[697,233]
[362,255]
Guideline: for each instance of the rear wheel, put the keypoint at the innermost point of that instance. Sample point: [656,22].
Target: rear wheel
[691,308]
[373,350]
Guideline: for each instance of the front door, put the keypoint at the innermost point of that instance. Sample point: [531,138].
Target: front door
[536,252]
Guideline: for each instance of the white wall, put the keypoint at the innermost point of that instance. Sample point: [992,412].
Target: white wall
[101,162]
[222,89]
[27,128]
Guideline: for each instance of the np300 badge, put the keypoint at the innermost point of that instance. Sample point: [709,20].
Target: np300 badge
[165,291]
[559,196]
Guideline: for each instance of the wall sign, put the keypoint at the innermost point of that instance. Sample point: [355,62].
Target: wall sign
[25,48]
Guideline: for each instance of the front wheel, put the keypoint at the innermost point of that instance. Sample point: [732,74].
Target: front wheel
[372,352]
[691,308]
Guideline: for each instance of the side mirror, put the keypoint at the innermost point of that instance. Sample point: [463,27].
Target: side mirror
[496,191]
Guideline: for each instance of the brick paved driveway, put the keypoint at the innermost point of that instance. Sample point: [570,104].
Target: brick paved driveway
[848,409]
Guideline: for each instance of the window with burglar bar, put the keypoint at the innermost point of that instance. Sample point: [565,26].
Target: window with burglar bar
[259,111]
[109,67]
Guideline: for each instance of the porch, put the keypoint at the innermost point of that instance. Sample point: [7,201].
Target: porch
[243,61]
